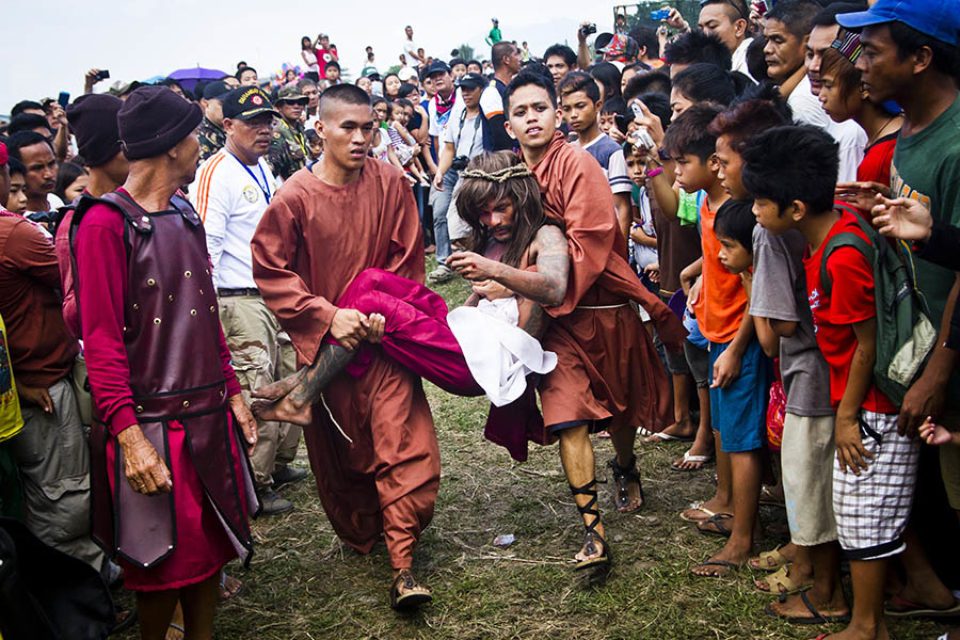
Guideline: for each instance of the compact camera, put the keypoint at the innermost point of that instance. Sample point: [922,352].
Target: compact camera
[460,163]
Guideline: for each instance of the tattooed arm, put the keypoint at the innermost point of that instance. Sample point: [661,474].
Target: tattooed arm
[547,285]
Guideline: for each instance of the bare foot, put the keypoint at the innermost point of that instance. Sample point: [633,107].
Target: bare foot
[726,561]
[283,410]
[276,390]
[794,608]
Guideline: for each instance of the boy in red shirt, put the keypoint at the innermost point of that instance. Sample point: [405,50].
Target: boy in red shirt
[792,173]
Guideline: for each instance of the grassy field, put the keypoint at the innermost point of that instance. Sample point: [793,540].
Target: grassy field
[304,584]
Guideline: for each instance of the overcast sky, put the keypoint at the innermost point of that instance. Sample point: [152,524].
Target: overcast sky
[49,46]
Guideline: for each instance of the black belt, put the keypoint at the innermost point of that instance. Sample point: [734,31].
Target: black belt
[226,293]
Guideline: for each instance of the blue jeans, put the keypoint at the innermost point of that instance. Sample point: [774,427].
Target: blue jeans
[441,202]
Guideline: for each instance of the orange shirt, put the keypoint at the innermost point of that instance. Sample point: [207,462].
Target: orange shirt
[723,300]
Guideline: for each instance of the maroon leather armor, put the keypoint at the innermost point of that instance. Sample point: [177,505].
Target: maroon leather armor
[172,339]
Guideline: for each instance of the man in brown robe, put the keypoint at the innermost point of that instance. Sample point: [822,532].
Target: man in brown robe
[608,373]
[372,446]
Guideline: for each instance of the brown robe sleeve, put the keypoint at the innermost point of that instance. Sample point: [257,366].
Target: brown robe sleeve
[591,228]
[276,246]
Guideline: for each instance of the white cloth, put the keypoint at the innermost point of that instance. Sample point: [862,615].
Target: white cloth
[853,143]
[499,354]
[739,61]
[231,202]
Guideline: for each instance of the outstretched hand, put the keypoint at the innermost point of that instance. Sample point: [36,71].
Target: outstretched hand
[903,218]
[473,266]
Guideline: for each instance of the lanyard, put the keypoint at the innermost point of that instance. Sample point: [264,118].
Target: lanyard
[265,187]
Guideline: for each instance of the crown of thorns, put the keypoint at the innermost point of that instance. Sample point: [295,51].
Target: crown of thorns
[499,176]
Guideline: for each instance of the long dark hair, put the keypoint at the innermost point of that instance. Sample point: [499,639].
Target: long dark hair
[308,41]
[477,193]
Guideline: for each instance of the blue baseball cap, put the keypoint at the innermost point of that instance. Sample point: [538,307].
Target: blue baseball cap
[939,19]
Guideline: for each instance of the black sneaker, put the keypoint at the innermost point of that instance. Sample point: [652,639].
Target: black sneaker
[287,475]
[272,504]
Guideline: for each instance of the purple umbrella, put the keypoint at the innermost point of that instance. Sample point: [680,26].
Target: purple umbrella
[188,78]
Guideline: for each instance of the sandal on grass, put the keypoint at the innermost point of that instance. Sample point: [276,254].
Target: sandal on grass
[815,616]
[697,506]
[769,560]
[689,458]
[898,607]
[412,596]
[591,538]
[713,526]
[226,592]
[622,477]
[780,582]
[726,567]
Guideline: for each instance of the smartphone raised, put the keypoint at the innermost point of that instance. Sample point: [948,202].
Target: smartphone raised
[63,99]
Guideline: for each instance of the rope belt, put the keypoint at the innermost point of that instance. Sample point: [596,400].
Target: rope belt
[606,306]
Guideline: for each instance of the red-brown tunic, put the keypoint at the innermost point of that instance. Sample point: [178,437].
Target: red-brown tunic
[313,240]
[607,365]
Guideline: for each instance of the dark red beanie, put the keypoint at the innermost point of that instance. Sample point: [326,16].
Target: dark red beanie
[153,120]
[93,120]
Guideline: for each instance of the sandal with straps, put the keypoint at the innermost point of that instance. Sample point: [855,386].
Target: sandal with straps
[622,477]
[591,537]
[414,595]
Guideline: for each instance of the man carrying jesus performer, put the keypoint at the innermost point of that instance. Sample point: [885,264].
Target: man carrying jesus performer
[608,374]
[372,446]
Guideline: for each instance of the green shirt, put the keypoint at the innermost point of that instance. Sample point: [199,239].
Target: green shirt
[926,167]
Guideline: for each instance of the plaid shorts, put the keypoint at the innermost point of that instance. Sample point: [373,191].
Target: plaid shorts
[872,509]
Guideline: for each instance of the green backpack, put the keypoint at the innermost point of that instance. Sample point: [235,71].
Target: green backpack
[905,335]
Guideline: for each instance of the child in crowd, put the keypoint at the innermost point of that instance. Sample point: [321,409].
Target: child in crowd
[580,102]
[17,200]
[403,143]
[678,246]
[608,118]
[643,235]
[843,99]
[792,173]
[738,367]
[784,325]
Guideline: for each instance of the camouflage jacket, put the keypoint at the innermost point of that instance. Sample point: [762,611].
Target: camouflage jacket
[212,139]
[288,149]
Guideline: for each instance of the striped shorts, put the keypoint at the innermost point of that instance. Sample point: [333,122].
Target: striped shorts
[872,509]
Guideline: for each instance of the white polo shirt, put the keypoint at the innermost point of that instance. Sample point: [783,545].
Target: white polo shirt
[231,198]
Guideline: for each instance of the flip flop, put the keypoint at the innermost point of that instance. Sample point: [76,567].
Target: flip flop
[780,582]
[769,560]
[687,457]
[716,563]
[223,587]
[715,520]
[815,616]
[907,609]
[696,506]
[662,436]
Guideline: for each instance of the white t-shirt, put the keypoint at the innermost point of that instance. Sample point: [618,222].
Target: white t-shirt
[849,135]
[231,198]
[740,58]
[438,122]
[410,48]
[610,157]
[467,139]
